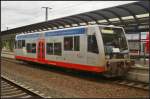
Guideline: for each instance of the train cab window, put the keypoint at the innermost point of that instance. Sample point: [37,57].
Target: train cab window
[33,48]
[57,49]
[23,43]
[49,48]
[92,44]
[29,50]
[76,43]
[68,43]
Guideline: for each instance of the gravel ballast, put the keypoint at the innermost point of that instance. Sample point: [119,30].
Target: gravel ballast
[59,84]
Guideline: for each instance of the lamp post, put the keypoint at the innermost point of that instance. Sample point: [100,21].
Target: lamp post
[46,12]
[7,27]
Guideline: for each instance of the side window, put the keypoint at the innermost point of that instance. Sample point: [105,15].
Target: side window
[19,44]
[49,48]
[68,43]
[76,43]
[23,43]
[33,48]
[29,48]
[92,44]
[57,49]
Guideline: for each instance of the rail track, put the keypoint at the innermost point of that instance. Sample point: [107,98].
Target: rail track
[124,82]
[12,60]
[135,84]
[12,89]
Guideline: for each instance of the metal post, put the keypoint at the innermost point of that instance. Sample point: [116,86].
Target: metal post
[46,13]
[144,54]
[139,45]
[7,28]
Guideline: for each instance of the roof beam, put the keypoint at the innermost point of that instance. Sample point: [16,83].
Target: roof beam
[117,15]
[53,24]
[65,22]
[90,17]
[129,11]
[105,17]
[59,22]
[45,26]
[142,6]
[132,13]
[79,17]
[74,20]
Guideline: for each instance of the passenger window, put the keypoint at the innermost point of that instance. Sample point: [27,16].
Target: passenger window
[57,49]
[92,44]
[23,43]
[76,43]
[49,48]
[19,44]
[33,48]
[28,48]
[68,43]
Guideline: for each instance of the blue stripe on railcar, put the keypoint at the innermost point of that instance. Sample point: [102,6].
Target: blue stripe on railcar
[66,32]
[27,36]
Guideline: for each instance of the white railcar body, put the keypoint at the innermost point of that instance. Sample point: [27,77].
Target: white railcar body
[78,46]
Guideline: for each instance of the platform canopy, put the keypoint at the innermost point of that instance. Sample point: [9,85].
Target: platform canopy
[132,16]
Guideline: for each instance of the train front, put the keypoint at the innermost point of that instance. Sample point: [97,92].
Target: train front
[116,51]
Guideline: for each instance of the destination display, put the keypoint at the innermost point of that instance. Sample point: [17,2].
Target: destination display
[104,31]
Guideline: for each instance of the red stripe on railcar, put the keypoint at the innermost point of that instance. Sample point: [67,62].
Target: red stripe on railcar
[64,64]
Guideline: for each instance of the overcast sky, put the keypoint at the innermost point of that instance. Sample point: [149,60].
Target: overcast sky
[20,13]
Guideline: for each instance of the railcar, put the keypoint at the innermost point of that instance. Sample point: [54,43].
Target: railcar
[95,48]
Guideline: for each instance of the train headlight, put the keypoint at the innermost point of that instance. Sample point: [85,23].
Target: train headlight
[107,57]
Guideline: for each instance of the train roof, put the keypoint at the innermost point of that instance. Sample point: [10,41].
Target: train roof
[84,27]
[71,28]
[79,29]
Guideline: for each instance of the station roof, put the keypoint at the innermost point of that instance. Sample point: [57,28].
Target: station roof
[132,16]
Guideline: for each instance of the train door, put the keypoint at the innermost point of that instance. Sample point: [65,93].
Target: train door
[147,43]
[92,50]
[94,44]
[41,50]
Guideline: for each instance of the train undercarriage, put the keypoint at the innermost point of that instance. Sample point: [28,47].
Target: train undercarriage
[117,67]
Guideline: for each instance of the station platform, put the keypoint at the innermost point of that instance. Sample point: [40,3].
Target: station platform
[7,54]
[138,72]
